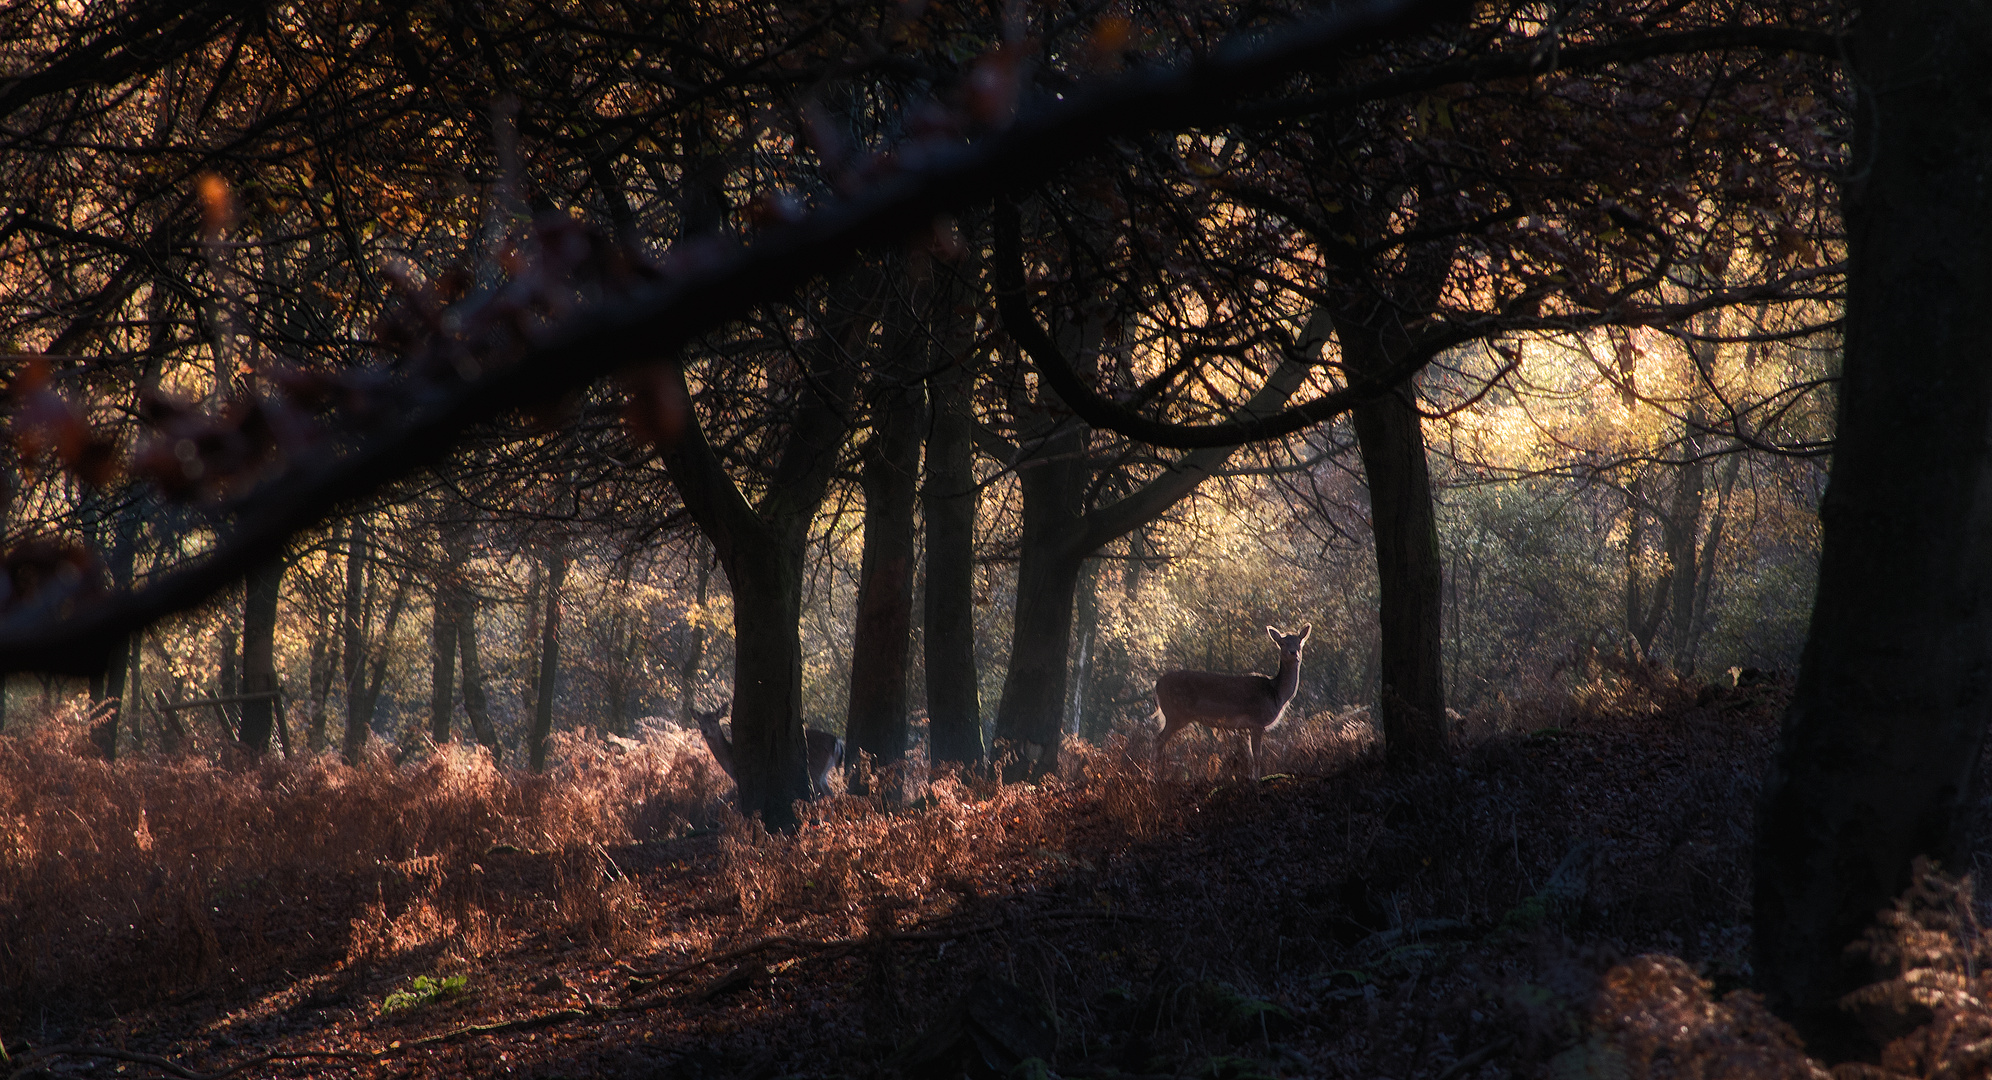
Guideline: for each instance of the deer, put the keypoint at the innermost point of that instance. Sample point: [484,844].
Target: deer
[1248,703]
[824,751]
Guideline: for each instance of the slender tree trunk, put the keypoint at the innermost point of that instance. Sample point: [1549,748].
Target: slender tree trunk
[875,722]
[231,681]
[549,660]
[695,634]
[1682,531]
[535,580]
[374,674]
[124,552]
[359,711]
[324,666]
[1410,574]
[136,690]
[476,704]
[1880,751]
[261,591]
[442,658]
[1087,592]
[1711,551]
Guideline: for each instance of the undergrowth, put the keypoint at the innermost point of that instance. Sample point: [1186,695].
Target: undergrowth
[1567,898]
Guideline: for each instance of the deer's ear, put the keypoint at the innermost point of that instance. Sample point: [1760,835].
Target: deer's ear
[1306,630]
[1273,632]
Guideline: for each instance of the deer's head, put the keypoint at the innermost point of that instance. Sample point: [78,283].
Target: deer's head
[1289,644]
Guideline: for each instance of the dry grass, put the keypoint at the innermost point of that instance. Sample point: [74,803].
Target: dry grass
[1515,904]
[119,872]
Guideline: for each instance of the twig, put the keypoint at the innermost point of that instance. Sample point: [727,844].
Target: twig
[184,1073]
[865,939]
[524,1023]
[1478,1057]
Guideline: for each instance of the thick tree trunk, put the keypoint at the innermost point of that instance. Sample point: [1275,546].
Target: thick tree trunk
[769,756]
[261,591]
[549,660]
[762,549]
[1410,574]
[1882,744]
[881,639]
[1049,556]
[948,501]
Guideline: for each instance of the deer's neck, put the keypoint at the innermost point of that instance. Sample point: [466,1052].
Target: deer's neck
[1288,680]
[722,751]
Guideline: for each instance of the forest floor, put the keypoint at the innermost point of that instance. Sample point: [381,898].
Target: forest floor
[1569,897]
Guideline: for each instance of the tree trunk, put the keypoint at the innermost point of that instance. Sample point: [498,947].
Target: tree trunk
[136,691]
[231,681]
[1048,561]
[769,757]
[1410,575]
[948,501]
[694,654]
[354,651]
[549,660]
[124,552]
[530,637]
[476,704]
[442,660]
[1881,747]
[762,549]
[261,591]
[1682,536]
[875,721]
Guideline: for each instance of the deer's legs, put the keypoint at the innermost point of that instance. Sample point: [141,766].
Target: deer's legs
[1256,734]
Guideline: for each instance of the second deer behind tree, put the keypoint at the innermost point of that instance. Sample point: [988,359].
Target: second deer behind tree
[825,751]
[1248,703]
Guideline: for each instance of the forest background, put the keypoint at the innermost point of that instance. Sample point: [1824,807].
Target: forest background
[906,310]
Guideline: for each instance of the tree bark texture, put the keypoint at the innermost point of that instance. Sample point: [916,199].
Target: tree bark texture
[762,549]
[1049,555]
[948,502]
[261,591]
[1410,575]
[549,660]
[881,638]
[1878,752]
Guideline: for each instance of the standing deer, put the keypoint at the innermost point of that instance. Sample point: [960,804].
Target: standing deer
[1248,703]
[824,750]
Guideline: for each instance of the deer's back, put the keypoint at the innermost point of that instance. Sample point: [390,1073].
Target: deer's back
[1221,701]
